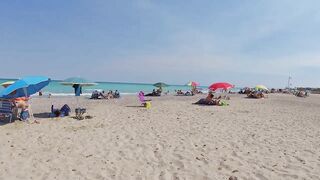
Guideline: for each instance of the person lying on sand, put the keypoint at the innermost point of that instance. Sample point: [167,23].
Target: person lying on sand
[212,102]
[207,100]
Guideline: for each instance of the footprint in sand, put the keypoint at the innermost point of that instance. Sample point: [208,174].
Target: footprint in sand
[178,164]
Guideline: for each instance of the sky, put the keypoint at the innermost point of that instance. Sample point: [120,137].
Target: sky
[245,42]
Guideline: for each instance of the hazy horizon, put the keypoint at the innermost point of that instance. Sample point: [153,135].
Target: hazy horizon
[147,41]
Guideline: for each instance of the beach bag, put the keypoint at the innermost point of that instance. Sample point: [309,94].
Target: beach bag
[65,110]
[148,105]
[24,115]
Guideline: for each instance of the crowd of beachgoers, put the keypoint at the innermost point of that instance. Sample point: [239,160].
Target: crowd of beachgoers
[210,99]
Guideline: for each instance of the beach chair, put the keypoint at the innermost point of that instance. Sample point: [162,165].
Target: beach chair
[145,102]
[8,111]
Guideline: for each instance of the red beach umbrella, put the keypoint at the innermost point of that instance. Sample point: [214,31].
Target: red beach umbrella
[221,85]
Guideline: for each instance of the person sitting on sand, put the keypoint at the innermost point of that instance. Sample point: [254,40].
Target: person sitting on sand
[116,94]
[22,103]
[179,92]
[95,94]
[110,95]
[159,90]
[188,93]
[209,97]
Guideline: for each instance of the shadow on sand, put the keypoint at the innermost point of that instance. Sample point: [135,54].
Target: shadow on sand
[42,115]
[136,106]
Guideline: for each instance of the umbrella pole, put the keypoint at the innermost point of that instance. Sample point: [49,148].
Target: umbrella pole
[77,98]
[77,106]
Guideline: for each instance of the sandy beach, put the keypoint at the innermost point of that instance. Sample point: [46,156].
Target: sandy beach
[275,138]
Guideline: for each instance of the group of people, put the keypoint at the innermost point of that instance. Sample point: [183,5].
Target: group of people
[256,95]
[253,93]
[155,92]
[181,93]
[102,95]
[188,93]
[301,94]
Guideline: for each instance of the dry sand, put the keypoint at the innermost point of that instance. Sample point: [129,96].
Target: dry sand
[274,138]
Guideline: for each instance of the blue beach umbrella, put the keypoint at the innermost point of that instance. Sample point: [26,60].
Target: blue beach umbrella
[25,87]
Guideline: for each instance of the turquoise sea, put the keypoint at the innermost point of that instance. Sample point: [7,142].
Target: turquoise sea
[55,88]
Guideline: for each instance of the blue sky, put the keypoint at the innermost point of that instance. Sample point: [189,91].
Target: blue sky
[243,42]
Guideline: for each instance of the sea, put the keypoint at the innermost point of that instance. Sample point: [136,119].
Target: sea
[55,88]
